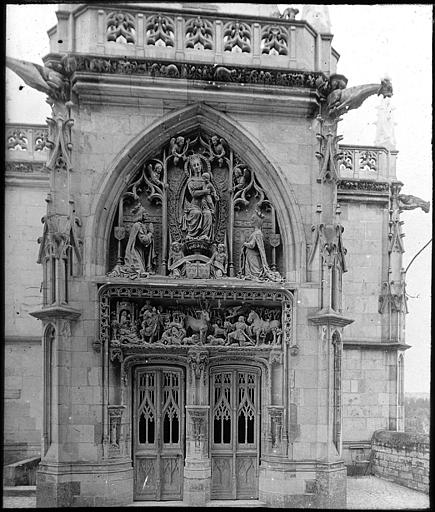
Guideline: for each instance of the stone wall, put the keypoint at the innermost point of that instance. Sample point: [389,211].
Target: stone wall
[369,392]
[22,400]
[24,208]
[402,457]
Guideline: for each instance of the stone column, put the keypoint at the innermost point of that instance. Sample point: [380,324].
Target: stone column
[197,467]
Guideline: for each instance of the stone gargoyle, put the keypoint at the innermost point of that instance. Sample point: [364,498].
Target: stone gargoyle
[341,99]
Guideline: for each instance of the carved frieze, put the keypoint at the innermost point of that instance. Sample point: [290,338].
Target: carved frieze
[136,320]
[199,71]
[363,186]
[26,167]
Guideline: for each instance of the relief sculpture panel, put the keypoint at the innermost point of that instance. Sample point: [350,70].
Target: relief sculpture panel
[163,324]
[195,211]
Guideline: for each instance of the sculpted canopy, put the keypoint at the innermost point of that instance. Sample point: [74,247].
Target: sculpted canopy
[195,211]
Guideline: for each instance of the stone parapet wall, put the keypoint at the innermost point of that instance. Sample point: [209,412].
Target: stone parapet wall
[401,457]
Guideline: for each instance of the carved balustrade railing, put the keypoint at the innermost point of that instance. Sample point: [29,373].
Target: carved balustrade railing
[26,142]
[366,162]
[217,38]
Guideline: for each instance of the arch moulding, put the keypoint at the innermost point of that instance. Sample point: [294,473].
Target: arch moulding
[146,144]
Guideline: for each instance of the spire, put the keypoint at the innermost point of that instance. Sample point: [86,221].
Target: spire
[318,17]
[385,125]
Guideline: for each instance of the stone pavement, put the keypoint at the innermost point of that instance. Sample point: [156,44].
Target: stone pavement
[370,492]
[363,493]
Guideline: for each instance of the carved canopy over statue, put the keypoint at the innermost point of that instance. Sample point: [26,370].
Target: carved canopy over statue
[195,211]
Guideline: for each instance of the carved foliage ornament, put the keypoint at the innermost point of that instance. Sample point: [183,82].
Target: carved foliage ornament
[274,40]
[393,297]
[59,234]
[199,34]
[237,37]
[328,237]
[121,27]
[160,31]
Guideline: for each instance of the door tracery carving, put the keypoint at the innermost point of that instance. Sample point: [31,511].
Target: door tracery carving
[159,433]
[191,212]
[235,432]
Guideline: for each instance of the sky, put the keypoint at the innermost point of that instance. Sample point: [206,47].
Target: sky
[373,41]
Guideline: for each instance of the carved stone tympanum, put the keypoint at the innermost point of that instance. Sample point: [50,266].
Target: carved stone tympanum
[189,214]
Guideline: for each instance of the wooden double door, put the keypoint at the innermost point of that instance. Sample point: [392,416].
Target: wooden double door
[234,432]
[159,434]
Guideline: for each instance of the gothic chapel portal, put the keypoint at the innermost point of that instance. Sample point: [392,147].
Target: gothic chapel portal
[194,257]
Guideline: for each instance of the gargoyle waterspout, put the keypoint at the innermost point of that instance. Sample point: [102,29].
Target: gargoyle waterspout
[340,100]
[41,78]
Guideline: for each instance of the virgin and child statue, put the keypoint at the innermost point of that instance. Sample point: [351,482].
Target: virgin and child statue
[199,212]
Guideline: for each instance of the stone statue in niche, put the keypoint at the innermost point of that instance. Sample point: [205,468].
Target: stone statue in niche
[197,221]
[218,261]
[253,262]
[139,253]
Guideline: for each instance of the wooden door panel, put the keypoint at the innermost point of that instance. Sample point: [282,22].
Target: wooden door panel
[171,477]
[235,432]
[222,476]
[159,434]
[247,477]
[146,484]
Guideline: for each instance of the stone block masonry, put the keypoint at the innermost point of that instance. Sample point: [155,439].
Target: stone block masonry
[402,457]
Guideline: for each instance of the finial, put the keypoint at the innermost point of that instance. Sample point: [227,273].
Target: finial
[318,17]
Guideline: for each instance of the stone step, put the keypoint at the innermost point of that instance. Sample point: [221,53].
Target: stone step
[236,503]
[213,503]
[20,490]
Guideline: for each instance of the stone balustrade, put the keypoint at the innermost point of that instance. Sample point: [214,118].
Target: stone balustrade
[401,457]
[141,31]
[366,163]
[26,142]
